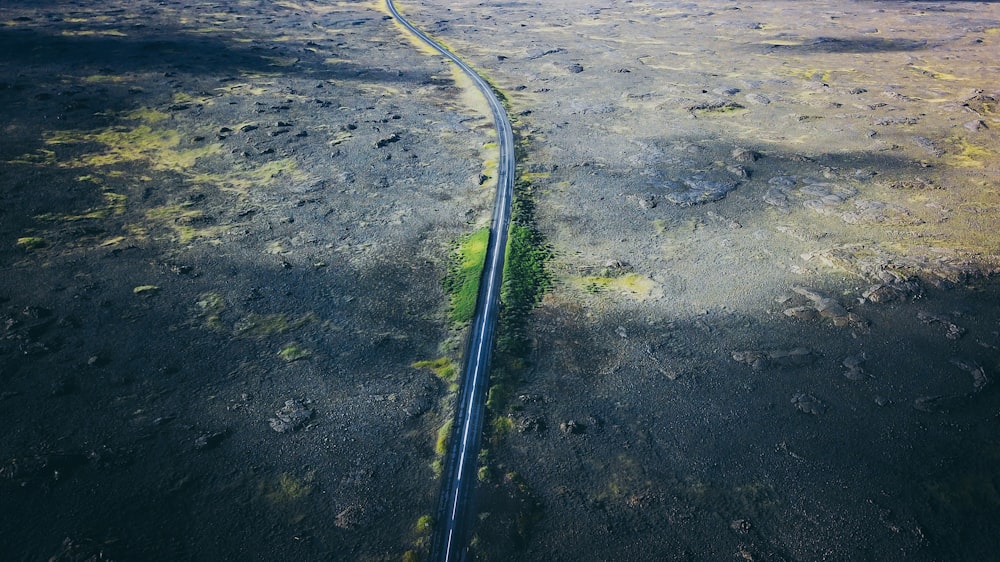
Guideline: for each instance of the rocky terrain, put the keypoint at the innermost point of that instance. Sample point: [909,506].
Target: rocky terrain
[771,334]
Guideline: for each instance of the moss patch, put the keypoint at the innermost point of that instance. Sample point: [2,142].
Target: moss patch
[464,273]
[443,434]
[288,488]
[526,278]
[632,284]
[31,243]
[294,352]
[443,367]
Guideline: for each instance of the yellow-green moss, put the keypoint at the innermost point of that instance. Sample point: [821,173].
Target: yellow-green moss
[632,284]
[444,432]
[146,290]
[41,157]
[288,488]
[293,352]
[30,243]
[443,367]
[462,280]
[424,524]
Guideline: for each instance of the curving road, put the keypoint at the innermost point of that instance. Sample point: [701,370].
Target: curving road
[452,525]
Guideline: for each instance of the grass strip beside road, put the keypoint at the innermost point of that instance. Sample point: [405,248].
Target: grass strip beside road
[464,274]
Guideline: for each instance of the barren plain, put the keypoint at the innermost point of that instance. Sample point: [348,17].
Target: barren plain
[772,324]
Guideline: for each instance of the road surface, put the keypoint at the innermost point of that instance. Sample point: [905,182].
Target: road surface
[453,522]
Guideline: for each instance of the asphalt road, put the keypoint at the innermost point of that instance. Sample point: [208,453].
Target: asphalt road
[453,522]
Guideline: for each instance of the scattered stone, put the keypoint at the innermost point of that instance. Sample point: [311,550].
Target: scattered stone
[975,126]
[207,441]
[572,428]
[576,68]
[939,403]
[785,182]
[805,313]
[916,183]
[797,357]
[808,404]
[718,105]
[745,155]
[826,197]
[901,120]
[883,293]
[732,224]
[350,518]
[539,53]
[853,364]
[756,359]
[291,417]
[954,330]
[739,171]
[741,526]
[98,360]
[979,380]
[879,212]
[697,190]
[928,146]
[939,267]
[882,401]
[247,128]
[530,424]
[758,99]
[385,141]
[826,306]
[777,197]
[645,201]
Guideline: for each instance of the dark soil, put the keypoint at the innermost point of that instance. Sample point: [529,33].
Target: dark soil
[202,220]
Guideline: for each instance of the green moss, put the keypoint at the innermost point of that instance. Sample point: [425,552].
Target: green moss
[443,367]
[411,556]
[288,488]
[285,168]
[444,432]
[464,273]
[424,524]
[146,290]
[42,157]
[526,278]
[293,352]
[143,142]
[502,425]
[31,243]
[483,474]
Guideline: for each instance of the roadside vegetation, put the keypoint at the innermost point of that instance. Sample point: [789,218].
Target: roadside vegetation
[464,273]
